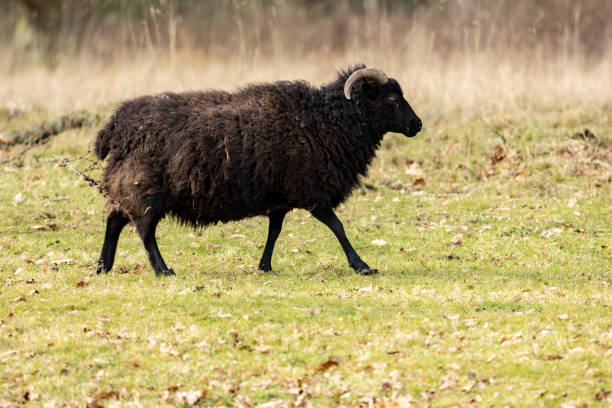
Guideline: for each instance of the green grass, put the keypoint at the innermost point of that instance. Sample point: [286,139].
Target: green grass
[493,285]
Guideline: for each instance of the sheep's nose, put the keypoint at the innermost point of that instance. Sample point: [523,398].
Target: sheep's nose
[418,125]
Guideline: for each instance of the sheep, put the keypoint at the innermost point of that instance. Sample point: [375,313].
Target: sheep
[215,156]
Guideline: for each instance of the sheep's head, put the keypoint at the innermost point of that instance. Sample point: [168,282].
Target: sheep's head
[384,99]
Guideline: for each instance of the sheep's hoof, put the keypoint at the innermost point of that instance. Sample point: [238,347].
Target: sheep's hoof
[101,269]
[168,272]
[265,268]
[363,269]
[366,271]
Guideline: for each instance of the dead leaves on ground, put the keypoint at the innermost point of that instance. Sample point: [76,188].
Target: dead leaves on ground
[603,396]
[81,284]
[327,364]
[191,397]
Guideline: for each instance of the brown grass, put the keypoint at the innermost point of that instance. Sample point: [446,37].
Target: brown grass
[455,60]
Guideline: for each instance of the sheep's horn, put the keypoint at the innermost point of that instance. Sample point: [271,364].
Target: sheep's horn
[369,72]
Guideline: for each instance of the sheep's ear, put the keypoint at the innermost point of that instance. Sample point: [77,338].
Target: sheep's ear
[370,89]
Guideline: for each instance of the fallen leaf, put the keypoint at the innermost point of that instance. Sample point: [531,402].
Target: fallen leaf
[331,362]
[419,182]
[551,233]
[190,397]
[100,374]
[169,350]
[30,396]
[18,199]
[8,353]
[413,170]
[448,383]
[456,240]
[498,154]
[95,401]
[316,311]
[81,284]
[18,271]
[263,349]
[602,395]
[139,270]
[18,299]
[38,227]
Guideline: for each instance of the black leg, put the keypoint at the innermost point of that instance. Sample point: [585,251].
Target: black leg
[274,229]
[146,226]
[155,258]
[114,225]
[327,216]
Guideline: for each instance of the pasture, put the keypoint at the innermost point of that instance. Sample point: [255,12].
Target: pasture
[492,244]
[491,230]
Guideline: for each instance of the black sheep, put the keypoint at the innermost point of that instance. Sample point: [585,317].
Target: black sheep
[205,157]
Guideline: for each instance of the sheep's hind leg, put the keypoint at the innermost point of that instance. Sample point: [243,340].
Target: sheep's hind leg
[146,226]
[327,216]
[114,225]
[274,229]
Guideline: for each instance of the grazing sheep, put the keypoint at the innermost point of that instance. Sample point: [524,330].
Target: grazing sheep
[205,157]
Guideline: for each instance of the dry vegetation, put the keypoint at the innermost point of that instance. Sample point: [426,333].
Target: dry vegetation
[455,59]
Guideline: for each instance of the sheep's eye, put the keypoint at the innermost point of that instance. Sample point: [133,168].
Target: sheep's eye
[392,98]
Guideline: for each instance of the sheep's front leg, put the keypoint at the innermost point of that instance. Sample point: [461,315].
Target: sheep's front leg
[274,229]
[327,216]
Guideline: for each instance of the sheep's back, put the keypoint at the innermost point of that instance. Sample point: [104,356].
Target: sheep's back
[219,157]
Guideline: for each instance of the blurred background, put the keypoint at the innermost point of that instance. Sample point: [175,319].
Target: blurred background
[455,58]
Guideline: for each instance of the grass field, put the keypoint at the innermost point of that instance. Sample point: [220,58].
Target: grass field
[492,240]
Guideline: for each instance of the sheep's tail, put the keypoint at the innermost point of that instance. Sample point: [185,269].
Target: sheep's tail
[105,136]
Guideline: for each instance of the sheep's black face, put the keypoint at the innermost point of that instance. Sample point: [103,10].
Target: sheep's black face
[390,109]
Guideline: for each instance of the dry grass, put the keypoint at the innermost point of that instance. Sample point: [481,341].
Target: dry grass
[463,87]
[455,60]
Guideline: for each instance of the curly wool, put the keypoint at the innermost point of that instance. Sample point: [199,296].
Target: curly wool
[218,156]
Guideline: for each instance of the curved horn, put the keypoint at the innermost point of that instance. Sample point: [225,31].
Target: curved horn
[369,72]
